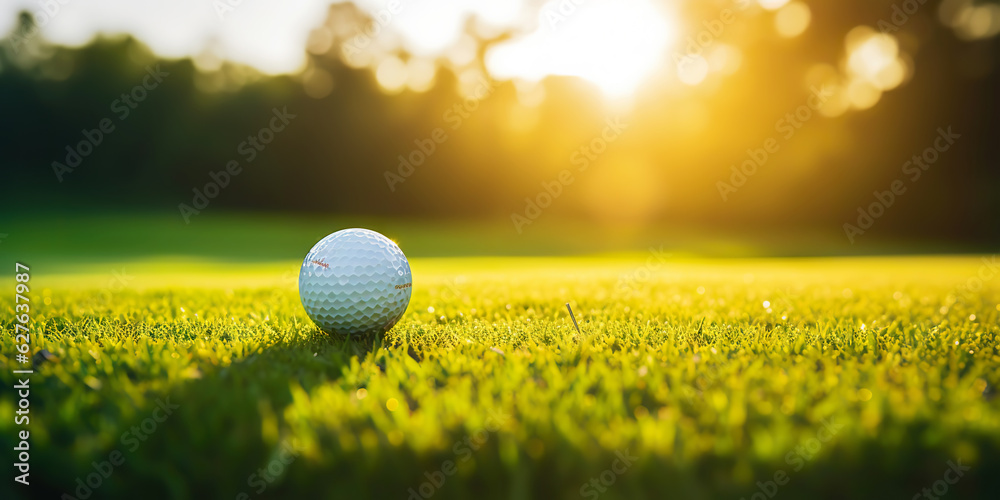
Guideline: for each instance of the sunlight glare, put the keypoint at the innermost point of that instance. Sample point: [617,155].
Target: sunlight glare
[614,45]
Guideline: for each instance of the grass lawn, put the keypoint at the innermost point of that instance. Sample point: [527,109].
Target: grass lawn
[819,378]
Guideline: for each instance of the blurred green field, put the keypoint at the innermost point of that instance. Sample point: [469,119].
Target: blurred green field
[854,377]
[63,242]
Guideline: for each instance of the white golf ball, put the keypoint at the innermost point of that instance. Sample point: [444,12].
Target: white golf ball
[355,281]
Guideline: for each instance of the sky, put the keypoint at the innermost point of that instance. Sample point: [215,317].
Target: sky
[267,34]
[615,44]
[271,35]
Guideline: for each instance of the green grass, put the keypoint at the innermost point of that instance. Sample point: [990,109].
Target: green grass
[679,363]
[60,242]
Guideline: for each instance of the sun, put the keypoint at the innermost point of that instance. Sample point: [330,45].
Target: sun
[614,44]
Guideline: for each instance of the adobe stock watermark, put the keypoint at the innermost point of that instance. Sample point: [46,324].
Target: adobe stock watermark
[274,470]
[900,15]
[705,376]
[48,11]
[974,284]
[224,7]
[426,147]
[288,281]
[132,438]
[797,459]
[249,149]
[939,488]
[787,127]
[463,450]
[712,30]
[581,158]
[122,108]
[558,11]
[358,43]
[628,283]
[115,284]
[704,379]
[914,168]
[784,298]
[452,290]
[607,478]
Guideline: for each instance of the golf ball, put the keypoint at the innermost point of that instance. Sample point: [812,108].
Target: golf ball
[355,281]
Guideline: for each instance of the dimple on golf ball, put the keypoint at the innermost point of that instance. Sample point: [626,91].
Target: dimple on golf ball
[355,281]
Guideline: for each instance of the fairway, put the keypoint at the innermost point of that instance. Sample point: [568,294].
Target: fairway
[689,378]
[552,250]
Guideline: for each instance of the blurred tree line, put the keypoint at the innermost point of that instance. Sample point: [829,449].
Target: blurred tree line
[334,155]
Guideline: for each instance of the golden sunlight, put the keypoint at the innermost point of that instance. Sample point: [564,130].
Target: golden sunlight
[615,45]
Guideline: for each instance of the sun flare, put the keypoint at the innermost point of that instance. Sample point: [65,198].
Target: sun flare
[614,45]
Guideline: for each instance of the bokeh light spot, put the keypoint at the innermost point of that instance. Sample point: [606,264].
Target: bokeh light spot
[772,4]
[862,94]
[391,74]
[793,19]
[692,70]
